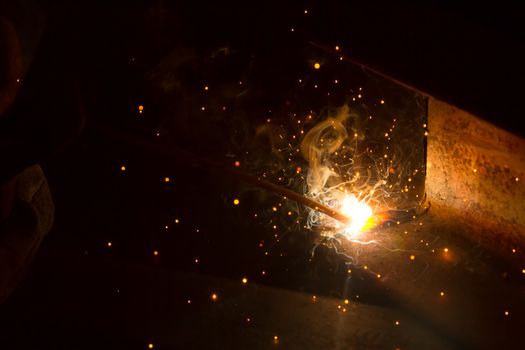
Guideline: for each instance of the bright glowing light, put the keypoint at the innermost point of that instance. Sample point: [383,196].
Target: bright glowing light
[244,280]
[317,65]
[236,201]
[358,212]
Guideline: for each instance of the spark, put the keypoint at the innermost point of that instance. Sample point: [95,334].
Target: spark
[317,65]
[236,201]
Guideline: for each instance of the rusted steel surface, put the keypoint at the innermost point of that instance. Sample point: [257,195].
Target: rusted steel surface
[478,171]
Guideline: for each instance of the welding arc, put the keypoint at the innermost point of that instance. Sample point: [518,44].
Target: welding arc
[187,158]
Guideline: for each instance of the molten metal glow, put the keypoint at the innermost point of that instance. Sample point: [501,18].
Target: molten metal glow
[360,214]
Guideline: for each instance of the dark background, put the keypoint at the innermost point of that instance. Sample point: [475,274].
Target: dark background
[101,56]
